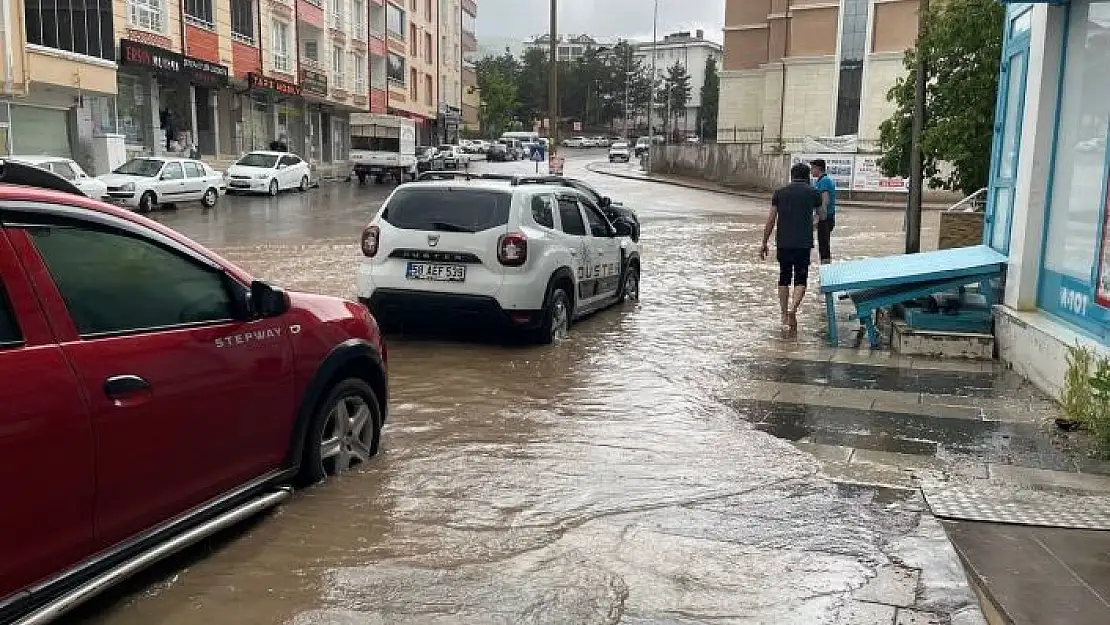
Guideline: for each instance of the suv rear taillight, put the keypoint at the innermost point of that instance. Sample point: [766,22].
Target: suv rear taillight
[370,236]
[512,249]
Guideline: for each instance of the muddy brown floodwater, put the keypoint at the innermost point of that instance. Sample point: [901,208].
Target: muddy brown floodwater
[601,480]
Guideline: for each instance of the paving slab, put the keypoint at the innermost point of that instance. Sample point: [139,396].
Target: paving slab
[892,585]
[1037,576]
[916,617]
[861,613]
[827,453]
[902,462]
[1048,480]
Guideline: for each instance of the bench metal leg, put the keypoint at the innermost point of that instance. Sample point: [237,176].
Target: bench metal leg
[867,319]
[830,313]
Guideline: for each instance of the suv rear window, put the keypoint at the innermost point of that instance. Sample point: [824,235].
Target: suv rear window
[447,209]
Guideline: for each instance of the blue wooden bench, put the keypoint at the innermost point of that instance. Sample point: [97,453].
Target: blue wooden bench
[875,283]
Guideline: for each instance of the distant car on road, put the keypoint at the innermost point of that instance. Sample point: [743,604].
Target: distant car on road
[268,172]
[498,153]
[183,394]
[145,183]
[453,156]
[530,258]
[69,169]
[619,152]
[428,159]
[643,144]
[574,142]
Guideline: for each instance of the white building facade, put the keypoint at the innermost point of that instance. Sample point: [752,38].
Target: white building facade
[691,51]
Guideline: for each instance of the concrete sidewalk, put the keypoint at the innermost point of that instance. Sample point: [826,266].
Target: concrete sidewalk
[632,171]
[977,444]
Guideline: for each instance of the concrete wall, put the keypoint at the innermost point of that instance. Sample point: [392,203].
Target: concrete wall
[882,73]
[736,165]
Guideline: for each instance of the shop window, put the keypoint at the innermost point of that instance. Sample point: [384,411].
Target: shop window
[395,22]
[199,13]
[148,14]
[133,105]
[280,34]
[38,131]
[81,28]
[242,21]
[395,68]
[1079,177]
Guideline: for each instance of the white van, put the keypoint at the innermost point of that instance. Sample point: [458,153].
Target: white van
[523,137]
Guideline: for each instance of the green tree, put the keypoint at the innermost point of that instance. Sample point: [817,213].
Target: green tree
[674,95]
[532,86]
[497,81]
[962,47]
[710,100]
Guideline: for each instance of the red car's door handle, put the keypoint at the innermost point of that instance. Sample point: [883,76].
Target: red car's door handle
[125,386]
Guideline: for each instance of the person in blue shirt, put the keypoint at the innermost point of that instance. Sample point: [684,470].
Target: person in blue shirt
[827,188]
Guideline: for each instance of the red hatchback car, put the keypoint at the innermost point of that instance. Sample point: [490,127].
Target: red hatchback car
[151,393]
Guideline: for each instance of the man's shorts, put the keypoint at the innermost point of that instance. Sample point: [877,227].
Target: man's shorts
[793,264]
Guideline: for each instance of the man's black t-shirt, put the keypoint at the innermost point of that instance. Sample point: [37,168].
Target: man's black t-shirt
[796,202]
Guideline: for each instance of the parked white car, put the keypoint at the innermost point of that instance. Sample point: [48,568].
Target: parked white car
[269,172]
[71,171]
[530,258]
[574,142]
[144,183]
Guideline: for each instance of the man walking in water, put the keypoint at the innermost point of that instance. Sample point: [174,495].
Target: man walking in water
[827,188]
[795,211]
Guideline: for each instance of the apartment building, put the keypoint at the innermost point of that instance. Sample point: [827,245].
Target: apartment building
[57,77]
[412,64]
[110,79]
[471,98]
[798,68]
[569,48]
[691,51]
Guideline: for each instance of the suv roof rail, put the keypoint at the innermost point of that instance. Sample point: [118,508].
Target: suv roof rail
[468,176]
[16,172]
[541,179]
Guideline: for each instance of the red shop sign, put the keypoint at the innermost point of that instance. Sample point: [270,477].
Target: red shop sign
[258,81]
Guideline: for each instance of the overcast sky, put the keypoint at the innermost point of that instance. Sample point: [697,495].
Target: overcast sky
[604,19]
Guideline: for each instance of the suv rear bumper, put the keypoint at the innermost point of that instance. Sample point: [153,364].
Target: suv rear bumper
[398,307]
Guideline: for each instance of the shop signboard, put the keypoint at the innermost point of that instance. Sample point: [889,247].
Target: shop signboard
[265,83]
[1102,284]
[868,176]
[839,167]
[555,166]
[314,82]
[196,71]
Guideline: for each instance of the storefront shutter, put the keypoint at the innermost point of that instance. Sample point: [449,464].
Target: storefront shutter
[39,131]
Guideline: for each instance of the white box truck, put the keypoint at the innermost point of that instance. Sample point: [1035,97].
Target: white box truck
[383,145]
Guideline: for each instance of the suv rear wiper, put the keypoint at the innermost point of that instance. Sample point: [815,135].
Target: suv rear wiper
[443,226]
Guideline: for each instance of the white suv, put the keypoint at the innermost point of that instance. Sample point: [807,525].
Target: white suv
[529,257]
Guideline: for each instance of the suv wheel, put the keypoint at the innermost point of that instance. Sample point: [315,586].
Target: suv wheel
[630,290]
[304,184]
[344,432]
[556,318]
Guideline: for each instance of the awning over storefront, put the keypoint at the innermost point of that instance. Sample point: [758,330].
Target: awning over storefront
[168,62]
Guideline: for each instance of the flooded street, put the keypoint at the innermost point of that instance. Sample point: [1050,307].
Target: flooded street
[608,479]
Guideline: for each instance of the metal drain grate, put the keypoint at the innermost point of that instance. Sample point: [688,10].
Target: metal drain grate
[1019,507]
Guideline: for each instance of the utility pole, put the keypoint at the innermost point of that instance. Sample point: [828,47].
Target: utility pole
[917,157]
[651,101]
[627,81]
[553,83]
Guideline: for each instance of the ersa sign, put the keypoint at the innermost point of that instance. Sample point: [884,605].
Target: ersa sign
[258,81]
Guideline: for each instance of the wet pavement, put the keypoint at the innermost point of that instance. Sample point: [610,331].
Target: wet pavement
[679,462]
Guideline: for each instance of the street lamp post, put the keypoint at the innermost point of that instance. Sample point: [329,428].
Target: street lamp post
[553,83]
[651,101]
